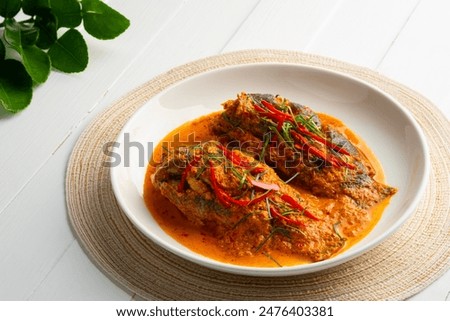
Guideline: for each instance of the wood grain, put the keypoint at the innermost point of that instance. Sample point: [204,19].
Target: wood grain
[39,259]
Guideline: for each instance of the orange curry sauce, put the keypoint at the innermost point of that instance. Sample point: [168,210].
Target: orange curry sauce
[174,223]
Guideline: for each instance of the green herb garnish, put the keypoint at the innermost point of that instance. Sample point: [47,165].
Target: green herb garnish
[266,143]
[292,177]
[270,257]
[274,230]
[309,124]
[337,230]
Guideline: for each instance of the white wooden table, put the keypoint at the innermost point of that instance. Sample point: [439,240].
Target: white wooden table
[40,259]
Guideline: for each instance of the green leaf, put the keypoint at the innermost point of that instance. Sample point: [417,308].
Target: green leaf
[68,12]
[31,39]
[2,50]
[12,34]
[36,62]
[18,34]
[46,22]
[101,21]
[69,53]
[15,86]
[28,33]
[9,8]
[31,7]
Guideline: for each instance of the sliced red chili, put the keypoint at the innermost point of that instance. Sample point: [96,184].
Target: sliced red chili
[261,197]
[322,140]
[308,148]
[280,117]
[274,114]
[226,199]
[276,111]
[236,160]
[223,197]
[294,204]
[345,164]
[259,109]
[288,220]
[257,170]
[326,142]
[334,161]
[299,137]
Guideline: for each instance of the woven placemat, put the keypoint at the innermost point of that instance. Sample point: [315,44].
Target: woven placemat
[410,260]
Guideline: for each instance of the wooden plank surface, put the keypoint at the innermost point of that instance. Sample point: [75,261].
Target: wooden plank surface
[33,219]
[30,137]
[419,58]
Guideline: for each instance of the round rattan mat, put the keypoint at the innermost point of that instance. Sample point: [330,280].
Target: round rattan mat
[412,258]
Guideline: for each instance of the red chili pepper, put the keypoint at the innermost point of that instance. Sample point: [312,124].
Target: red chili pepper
[299,137]
[288,220]
[294,204]
[223,197]
[334,161]
[274,114]
[236,160]
[345,164]
[308,148]
[276,111]
[259,109]
[261,197]
[186,171]
[226,199]
[280,126]
[279,119]
[322,155]
[269,106]
[318,153]
[322,140]
[217,190]
[257,170]
[279,115]
[326,142]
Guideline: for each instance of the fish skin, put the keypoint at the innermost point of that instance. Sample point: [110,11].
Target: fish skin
[296,107]
[322,180]
[317,241]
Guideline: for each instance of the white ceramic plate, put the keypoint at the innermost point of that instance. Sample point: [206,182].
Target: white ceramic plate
[387,128]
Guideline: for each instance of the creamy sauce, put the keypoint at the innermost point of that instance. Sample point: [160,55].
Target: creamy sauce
[175,224]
